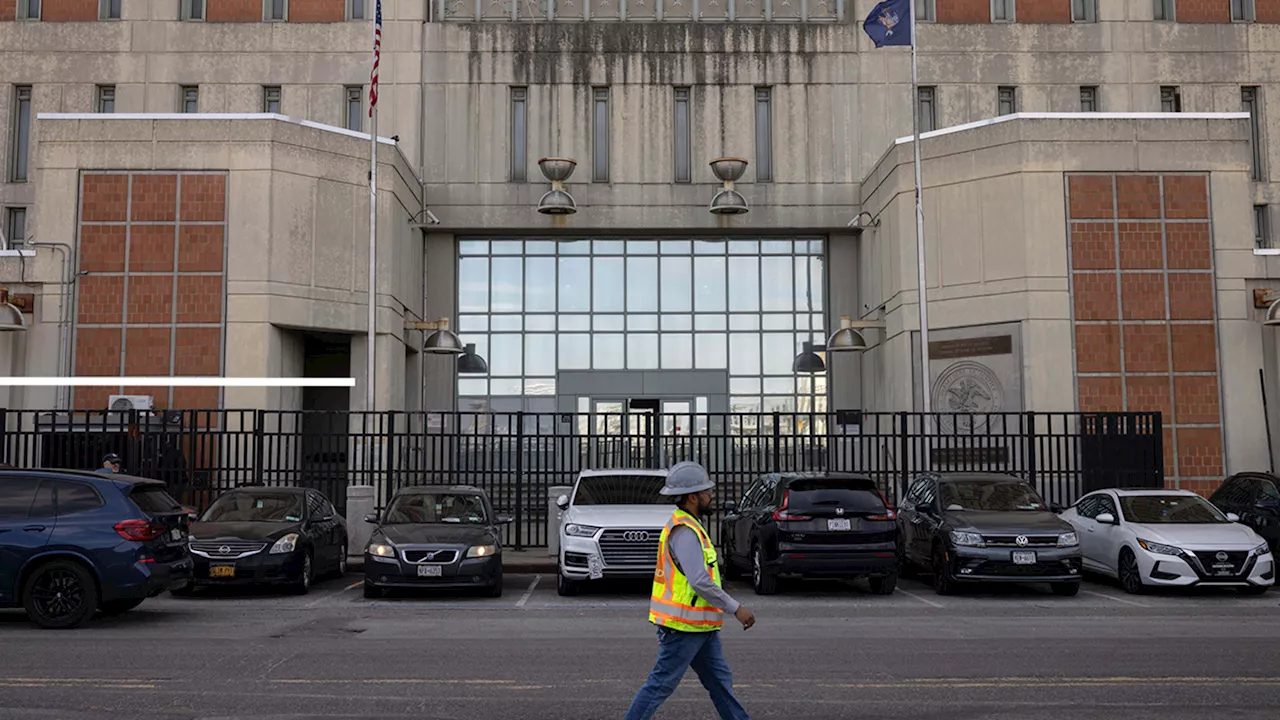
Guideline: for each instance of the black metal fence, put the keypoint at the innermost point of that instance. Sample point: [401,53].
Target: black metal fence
[519,457]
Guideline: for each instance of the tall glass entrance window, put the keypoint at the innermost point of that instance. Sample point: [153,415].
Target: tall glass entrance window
[538,307]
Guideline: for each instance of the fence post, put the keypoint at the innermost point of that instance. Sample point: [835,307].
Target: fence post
[777,439]
[519,533]
[391,483]
[259,420]
[4,434]
[904,451]
[1030,433]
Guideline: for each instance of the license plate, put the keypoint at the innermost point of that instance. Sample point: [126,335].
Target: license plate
[1224,569]
[595,567]
[1024,558]
[428,571]
[175,534]
[222,571]
[839,524]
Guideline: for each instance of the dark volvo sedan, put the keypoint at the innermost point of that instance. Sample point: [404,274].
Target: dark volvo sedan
[281,536]
[435,536]
[972,527]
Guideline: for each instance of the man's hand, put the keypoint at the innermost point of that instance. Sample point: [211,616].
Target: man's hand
[745,617]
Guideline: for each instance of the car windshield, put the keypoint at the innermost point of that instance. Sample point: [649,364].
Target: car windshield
[275,507]
[994,495]
[1170,509]
[620,490]
[429,508]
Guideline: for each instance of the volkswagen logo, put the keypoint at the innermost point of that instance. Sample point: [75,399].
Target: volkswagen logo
[1222,557]
[224,550]
[635,536]
[1021,540]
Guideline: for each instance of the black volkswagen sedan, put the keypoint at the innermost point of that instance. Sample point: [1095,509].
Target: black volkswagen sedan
[974,527]
[435,536]
[268,536]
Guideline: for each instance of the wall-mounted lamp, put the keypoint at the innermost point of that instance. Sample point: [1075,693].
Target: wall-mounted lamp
[469,363]
[558,201]
[10,315]
[728,201]
[849,338]
[858,222]
[1269,299]
[809,361]
[442,341]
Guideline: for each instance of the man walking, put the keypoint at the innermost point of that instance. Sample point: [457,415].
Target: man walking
[110,464]
[688,603]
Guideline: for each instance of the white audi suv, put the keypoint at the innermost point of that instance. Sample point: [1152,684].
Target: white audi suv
[612,522]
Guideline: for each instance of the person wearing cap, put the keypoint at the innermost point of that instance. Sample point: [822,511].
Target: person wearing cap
[110,464]
[688,603]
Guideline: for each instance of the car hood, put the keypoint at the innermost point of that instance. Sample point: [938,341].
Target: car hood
[1019,522]
[1200,536]
[261,531]
[612,516]
[436,534]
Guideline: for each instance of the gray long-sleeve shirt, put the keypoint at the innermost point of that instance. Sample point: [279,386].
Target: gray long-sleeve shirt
[687,551]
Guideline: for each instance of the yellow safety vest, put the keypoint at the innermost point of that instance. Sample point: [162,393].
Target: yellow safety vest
[673,603]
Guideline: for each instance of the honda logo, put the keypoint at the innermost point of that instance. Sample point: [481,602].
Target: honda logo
[635,536]
[1021,540]
[839,511]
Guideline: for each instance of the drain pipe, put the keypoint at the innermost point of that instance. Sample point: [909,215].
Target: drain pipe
[64,364]
[422,110]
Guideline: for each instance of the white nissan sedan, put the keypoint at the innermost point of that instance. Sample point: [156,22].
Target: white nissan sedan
[1171,538]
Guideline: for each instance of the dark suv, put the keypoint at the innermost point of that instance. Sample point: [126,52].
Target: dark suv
[811,524]
[72,543]
[1255,498]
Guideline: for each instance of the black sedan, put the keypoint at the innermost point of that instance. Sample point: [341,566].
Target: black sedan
[268,536]
[1255,498]
[435,536]
[975,527]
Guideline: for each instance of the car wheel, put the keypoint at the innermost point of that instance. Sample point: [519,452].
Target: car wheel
[119,607]
[495,590]
[60,594]
[372,592]
[1066,589]
[943,583]
[1130,575]
[727,568]
[1254,589]
[342,560]
[905,568]
[566,587]
[762,581]
[188,590]
[884,584]
[303,586]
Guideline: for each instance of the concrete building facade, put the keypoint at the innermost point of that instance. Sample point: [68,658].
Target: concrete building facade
[1099,188]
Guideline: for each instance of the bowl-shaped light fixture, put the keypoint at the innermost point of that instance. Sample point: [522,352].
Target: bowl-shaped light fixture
[846,339]
[557,169]
[443,341]
[558,201]
[728,201]
[469,363]
[10,315]
[808,361]
[1273,314]
[728,169]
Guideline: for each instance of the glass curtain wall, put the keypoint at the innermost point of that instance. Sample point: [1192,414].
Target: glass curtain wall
[534,307]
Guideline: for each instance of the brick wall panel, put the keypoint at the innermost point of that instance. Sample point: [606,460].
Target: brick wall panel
[1146,348]
[151,248]
[1093,246]
[1186,197]
[91,398]
[1189,246]
[1196,399]
[1143,296]
[97,351]
[317,11]
[1043,11]
[1141,246]
[1098,348]
[1267,11]
[197,398]
[69,10]
[146,351]
[1200,452]
[1094,297]
[1138,196]
[105,198]
[234,11]
[150,299]
[198,351]
[1195,348]
[101,299]
[1191,296]
[1100,394]
[1204,11]
[102,248]
[154,198]
[8,11]
[1091,195]
[204,197]
[964,11]
[1149,393]
[200,248]
[159,395]
[1203,488]
[199,298]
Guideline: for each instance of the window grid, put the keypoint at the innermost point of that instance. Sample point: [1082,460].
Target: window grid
[190,99]
[926,108]
[1165,10]
[355,107]
[519,146]
[1170,99]
[683,136]
[109,9]
[926,10]
[29,9]
[275,10]
[15,228]
[1249,103]
[600,135]
[1242,11]
[764,134]
[193,9]
[536,307]
[1006,101]
[1261,227]
[356,9]
[271,99]
[1002,11]
[1089,98]
[20,143]
[1084,11]
[106,98]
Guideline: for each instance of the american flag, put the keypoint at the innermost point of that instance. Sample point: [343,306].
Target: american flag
[377,55]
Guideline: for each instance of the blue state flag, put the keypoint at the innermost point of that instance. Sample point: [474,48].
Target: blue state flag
[889,23]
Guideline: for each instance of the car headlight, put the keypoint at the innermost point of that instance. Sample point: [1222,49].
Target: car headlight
[968,539]
[381,550]
[286,544]
[575,530]
[1261,550]
[1068,539]
[1159,548]
[479,551]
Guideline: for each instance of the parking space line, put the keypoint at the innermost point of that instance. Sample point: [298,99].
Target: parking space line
[528,593]
[1117,599]
[355,585]
[921,598]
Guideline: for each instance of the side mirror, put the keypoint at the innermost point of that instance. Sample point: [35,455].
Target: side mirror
[1232,517]
[924,509]
[730,506]
[1056,508]
[505,519]
[1106,519]
[371,518]
[562,502]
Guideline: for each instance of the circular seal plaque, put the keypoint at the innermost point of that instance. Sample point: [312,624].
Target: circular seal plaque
[967,387]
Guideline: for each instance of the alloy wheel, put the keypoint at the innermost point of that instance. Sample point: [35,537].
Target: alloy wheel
[58,595]
[1130,576]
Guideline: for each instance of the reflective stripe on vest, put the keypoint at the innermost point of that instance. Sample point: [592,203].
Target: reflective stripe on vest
[673,602]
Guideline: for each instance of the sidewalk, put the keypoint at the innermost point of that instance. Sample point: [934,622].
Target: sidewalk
[525,562]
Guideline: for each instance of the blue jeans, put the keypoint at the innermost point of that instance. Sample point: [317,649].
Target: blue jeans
[680,650]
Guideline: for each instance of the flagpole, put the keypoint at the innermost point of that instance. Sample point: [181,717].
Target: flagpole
[926,400]
[370,353]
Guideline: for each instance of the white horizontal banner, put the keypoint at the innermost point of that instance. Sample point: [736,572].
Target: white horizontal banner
[102,381]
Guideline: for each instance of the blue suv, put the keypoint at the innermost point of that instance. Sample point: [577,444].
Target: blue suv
[72,543]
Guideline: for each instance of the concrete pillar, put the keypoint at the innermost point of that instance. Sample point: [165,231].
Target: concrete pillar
[360,502]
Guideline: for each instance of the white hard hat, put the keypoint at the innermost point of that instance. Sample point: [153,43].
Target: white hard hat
[686,478]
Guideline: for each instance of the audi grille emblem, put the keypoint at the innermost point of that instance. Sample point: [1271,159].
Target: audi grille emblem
[635,536]
[1222,557]
[839,511]
[224,550]
[1021,540]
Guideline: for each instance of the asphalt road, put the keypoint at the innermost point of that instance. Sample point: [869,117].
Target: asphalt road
[818,651]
